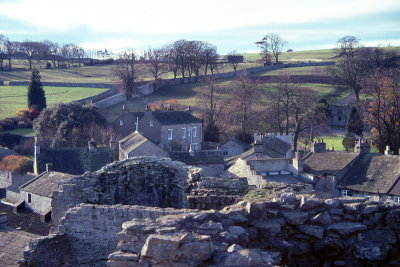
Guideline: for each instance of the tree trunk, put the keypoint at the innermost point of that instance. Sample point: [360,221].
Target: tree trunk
[9,63]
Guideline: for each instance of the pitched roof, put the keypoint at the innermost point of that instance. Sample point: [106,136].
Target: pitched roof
[199,157]
[6,152]
[374,173]
[328,162]
[133,141]
[45,183]
[175,117]
[276,148]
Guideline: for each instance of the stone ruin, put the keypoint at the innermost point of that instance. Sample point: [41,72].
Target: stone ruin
[291,227]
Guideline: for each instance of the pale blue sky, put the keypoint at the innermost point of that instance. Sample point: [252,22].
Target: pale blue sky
[228,24]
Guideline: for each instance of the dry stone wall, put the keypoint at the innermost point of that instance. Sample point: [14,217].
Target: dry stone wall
[290,230]
[148,181]
[88,234]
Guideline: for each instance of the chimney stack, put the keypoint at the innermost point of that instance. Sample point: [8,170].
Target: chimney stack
[318,147]
[297,162]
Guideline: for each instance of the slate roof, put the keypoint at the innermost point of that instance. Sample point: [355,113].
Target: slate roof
[26,221]
[175,117]
[45,183]
[6,152]
[374,173]
[328,162]
[199,157]
[276,148]
[132,141]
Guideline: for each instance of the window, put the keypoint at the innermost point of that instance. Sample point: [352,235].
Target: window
[396,200]
[194,132]
[121,122]
[29,198]
[183,133]
[188,131]
[346,193]
[169,148]
[195,147]
[225,152]
[366,195]
[169,134]
[184,148]
[151,123]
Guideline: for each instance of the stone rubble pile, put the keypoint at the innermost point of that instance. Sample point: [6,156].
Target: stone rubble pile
[290,230]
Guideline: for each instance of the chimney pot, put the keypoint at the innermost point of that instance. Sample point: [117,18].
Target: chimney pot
[49,167]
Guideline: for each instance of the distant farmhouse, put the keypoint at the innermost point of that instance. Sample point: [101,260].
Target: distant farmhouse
[170,130]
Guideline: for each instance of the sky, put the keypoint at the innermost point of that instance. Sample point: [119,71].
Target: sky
[229,24]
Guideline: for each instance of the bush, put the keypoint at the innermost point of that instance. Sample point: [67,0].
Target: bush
[9,140]
[27,148]
[8,124]
[16,164]
[349,142]
[48,65]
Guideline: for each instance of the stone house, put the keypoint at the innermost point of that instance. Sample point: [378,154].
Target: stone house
[326,168]
[373,176]
[211,161]
[136,144]
[171,130]
[233,147]
[37,193]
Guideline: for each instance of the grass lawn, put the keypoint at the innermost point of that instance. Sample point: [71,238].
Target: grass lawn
[311,70]
[299,56]
[21,131]
[13,98]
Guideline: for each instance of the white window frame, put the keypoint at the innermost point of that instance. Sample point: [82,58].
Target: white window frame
[169,134]
[151,123]
[194,131]
[225,152]
[396,199]
[184,148]
[346,193]
[121,122]
[183,133]
[366,195]
[195,146]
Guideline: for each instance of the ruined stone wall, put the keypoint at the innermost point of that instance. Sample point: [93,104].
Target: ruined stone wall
[290,230]
[147,181]
[89,234]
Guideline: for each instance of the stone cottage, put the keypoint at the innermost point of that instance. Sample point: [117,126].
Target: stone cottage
[136,144]
[373,176]
[233,147]
[171,130]
[37,193]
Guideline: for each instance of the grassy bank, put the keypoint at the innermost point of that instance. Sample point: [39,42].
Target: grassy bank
[13,98]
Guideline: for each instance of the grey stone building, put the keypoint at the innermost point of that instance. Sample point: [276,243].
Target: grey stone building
[233,147]
[38,192]
[171,130]
[211,161]
[136,144]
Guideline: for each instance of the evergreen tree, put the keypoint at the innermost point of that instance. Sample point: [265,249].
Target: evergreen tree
[354,124]
[36,96]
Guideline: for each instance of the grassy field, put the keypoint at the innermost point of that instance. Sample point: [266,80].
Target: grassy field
[13,98]
[21,131]
[299,56]
[311,70]
[94,74]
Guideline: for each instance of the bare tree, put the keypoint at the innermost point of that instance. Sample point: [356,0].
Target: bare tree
[2,51]
[347,46]
[271,43]
[213,105]
[244,96]
[210,58]
[234,59]
[156,63]
[125,72]
[31,51]
[10,49]
[77,52]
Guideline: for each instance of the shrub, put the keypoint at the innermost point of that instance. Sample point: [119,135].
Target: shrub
[348,142]
[9,140]
[48,65]
[16,164]
[26,149]
[23,113]
[8,124]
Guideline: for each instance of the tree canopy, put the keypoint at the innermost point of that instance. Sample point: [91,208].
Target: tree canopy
[36,95]
[70,125]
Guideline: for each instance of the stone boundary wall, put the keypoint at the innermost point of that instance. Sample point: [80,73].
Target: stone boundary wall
[63,84]
[89,234]
[287,231]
